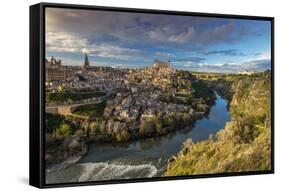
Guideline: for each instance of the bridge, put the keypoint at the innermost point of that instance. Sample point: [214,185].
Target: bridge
[68,109]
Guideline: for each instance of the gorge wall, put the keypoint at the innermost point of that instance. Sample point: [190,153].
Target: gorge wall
[244,144]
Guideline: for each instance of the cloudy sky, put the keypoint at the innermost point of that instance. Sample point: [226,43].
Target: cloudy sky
[134,40]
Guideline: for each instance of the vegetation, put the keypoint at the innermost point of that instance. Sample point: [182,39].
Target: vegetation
[160,124]
[148,126]
[69,96]
[92,110]
[64,129]
[59,126]
[52,122]
[183,74]
[201,89]
[122,136]
[244,144]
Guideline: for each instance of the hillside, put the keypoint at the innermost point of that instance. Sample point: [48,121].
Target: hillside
[244,144]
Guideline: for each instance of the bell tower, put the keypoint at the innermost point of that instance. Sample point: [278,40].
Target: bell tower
[86,61]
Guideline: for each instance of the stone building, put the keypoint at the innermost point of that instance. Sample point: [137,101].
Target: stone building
[159,64]
[58,74]
[53,63]
[55,71]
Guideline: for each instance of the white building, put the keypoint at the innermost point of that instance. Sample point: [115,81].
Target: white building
[245,72]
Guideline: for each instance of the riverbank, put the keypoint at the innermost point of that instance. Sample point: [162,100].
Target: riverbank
[140,158]
[71,149]
[61,148]
[245,142]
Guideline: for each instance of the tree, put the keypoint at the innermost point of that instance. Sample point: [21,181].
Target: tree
[64,129]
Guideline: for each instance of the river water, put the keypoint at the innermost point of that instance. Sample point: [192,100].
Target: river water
[142,158]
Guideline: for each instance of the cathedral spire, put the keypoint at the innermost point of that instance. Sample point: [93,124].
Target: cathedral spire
[86,61]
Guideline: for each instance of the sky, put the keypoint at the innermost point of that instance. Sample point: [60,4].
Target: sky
[135,40]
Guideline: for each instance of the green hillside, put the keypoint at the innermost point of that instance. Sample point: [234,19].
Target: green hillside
[244,144]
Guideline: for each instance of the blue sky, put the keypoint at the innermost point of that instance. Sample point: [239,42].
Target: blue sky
[135,40]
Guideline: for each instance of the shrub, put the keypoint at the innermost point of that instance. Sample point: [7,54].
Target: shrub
[64,129]
[122,136]
[147,127]
[94,126]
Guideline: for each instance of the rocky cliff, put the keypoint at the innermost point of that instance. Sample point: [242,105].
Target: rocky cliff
[244,144]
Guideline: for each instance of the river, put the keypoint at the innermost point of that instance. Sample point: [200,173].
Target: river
[141,158]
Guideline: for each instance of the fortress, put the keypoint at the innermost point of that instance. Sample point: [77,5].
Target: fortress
[159,64]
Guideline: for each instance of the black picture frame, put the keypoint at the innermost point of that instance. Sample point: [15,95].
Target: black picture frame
[37,93]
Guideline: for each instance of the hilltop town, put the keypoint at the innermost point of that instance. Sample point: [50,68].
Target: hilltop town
[93,104]
[102,104]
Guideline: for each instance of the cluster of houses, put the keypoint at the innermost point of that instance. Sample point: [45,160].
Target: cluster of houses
[143,89]
[138,94]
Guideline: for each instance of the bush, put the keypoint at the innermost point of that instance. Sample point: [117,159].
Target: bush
[147,127]
[122,136]
[52,122]
[94,126]
[158,121]
[64,129]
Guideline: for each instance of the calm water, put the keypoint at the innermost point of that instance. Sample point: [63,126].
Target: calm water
[142,158]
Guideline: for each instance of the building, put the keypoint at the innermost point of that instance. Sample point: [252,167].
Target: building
[86,62]
[159,64]
[53,63]
[55,71]
[55,74]
[245,72]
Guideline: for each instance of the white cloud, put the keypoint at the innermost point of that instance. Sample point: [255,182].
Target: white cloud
[164,54]
[259,64]
[85,50]
[170,35]
[264,55]
[111,51]
[182,37]
[65,42]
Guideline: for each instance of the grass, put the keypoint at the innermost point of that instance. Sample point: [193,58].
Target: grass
[63,96]
[93,110]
